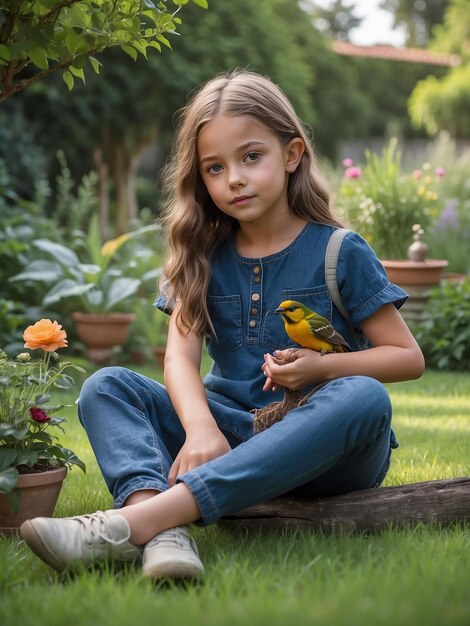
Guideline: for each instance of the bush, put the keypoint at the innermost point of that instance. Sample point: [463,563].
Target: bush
[382,203]
[444,333]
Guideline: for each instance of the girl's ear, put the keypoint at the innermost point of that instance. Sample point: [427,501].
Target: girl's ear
[294,151]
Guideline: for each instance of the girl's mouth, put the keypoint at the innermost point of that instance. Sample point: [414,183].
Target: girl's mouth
[241,200]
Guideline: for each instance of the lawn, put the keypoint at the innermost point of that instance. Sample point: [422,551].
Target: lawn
[416,576]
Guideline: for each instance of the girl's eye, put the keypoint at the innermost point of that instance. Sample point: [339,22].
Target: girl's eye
[214,169]
[252,156]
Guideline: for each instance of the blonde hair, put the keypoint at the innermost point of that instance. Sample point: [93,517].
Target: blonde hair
[193,223]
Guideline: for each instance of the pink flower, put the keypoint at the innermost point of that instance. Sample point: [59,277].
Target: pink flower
[439,171]
[417,174]
[353,172]
[347,162]
[38,415]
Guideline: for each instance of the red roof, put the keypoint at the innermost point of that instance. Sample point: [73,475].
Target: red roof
[390,53]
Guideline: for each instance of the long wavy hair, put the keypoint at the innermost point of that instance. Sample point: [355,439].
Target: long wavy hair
[193,223]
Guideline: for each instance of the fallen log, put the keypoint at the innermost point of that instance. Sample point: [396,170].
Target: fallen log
[372,510]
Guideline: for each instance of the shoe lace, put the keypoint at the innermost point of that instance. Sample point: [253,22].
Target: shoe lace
[173,536]
[96,526]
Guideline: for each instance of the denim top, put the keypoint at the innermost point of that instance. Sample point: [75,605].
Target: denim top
[244,293]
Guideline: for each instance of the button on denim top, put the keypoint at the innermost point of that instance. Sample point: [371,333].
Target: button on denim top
[244,293]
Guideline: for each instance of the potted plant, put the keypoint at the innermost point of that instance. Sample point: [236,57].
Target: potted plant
[33,463]
[152,325]
[99,289]
[382,202]
[386,206]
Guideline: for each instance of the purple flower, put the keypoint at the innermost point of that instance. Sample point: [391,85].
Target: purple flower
[38,415]
[449,218]
[353,172]
[347,162]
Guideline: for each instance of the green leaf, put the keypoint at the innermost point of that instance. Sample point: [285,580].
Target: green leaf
[130,51]
[77,72]
[67,288]
[40,270]
[68,78]
[121,289]
[73,41]
[7,457]
[4,53]
[10,430]
[201,3]
[64,383]
[96,64]
[8,478]
[38,57]
[64,255]
[70,458]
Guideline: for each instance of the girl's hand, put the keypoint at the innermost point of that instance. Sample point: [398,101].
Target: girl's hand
[202,444]
[304,369]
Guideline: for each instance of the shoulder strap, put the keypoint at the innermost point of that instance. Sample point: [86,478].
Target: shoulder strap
[331,263]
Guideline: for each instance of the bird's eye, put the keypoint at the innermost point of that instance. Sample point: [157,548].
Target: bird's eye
[292,309]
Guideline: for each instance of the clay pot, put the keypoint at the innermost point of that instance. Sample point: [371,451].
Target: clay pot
[416,278]
[102,332]
[428,272]
[159,354]
[38,494]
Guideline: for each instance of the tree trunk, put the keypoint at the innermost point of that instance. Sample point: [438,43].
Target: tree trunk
[371,510]
[103,192]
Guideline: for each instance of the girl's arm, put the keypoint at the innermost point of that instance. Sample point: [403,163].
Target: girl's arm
[395,356]
[204,440]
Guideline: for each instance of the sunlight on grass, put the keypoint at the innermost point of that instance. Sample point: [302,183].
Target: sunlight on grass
[417,576]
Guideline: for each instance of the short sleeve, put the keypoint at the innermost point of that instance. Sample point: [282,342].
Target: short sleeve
[162,301]
[363,281]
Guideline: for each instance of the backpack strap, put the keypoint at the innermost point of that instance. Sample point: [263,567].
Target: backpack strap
[331,263]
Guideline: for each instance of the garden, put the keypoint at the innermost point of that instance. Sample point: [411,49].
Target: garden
[81,245]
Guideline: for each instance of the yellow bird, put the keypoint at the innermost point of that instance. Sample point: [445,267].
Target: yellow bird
[309,329]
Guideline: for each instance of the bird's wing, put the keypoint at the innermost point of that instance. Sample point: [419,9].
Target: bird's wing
[322,329]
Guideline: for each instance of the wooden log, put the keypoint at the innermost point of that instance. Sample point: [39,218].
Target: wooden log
[370,510]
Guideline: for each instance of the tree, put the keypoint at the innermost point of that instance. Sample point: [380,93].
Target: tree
[445,104]
[337,20]
[453,35]
[418,17]
[39,37]
[131,104]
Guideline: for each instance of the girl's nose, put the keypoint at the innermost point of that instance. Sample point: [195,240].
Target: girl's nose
[236,180]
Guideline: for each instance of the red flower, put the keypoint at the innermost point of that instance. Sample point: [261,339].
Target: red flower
[38,415]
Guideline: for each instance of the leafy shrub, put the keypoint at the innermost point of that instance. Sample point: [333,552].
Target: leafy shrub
[449,236]
[382,203]
[444,334]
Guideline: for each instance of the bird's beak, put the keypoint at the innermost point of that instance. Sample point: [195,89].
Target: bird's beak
[279,310]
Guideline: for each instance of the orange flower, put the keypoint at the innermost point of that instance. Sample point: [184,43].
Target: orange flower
[46,335]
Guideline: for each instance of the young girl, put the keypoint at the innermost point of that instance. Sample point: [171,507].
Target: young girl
[248,221]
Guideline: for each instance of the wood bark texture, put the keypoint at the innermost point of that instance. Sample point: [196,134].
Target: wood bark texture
[370,510]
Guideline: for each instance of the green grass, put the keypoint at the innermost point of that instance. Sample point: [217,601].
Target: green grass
[415,576]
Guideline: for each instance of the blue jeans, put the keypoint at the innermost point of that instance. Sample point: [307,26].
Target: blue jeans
[338,441]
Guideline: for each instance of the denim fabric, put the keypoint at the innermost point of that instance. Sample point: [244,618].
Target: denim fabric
[245,292]
[338,441]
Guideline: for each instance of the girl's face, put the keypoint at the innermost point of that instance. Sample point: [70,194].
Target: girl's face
[245,167]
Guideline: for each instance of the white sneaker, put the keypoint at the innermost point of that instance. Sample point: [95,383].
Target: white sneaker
[172,554]
[60,542]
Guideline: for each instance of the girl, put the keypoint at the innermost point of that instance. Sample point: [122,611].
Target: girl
[248,221]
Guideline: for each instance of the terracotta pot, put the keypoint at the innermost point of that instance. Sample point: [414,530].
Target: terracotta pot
[427,272]
[102,332]
[159,354]
[416,278]
[38,496]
